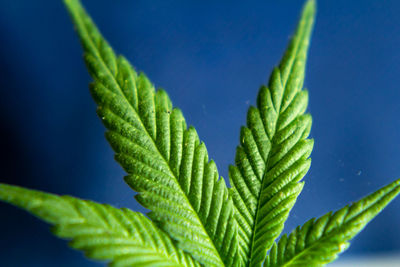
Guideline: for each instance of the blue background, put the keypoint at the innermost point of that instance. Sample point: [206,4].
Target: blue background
[211,56]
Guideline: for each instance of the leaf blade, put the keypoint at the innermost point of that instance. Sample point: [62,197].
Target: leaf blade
[273,153]
[119,236]
[318,242]
[165,161]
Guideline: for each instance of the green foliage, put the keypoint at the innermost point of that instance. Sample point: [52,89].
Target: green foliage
[194,219]
[319,241]
[273,153]
[124,237]
[165,161]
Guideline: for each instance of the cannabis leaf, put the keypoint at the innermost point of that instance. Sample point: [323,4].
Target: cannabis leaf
[125,237]
[319,241]
[273,154]
[165,161]
[194,219]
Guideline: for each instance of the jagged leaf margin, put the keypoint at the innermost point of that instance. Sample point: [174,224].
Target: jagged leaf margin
[273,153]
[121,236]
[166,162]
[319,242]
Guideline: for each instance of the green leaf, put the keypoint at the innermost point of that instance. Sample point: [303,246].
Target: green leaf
[319,242]
[166,162]
[273,153]
[124,237]
[195,220]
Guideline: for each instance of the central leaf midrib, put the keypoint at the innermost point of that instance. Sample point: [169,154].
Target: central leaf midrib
[142,124]
[272,144]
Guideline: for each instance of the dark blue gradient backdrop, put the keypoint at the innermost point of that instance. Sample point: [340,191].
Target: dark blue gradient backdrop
[211,57]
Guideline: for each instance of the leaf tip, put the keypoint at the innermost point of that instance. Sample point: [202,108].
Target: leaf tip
[310,6]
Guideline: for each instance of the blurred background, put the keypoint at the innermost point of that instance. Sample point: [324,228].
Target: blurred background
[211,57]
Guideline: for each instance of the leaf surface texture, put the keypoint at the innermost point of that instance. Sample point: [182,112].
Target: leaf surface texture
[165,161]
[194,220]
[273,153]
[121,236]
[318,242]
